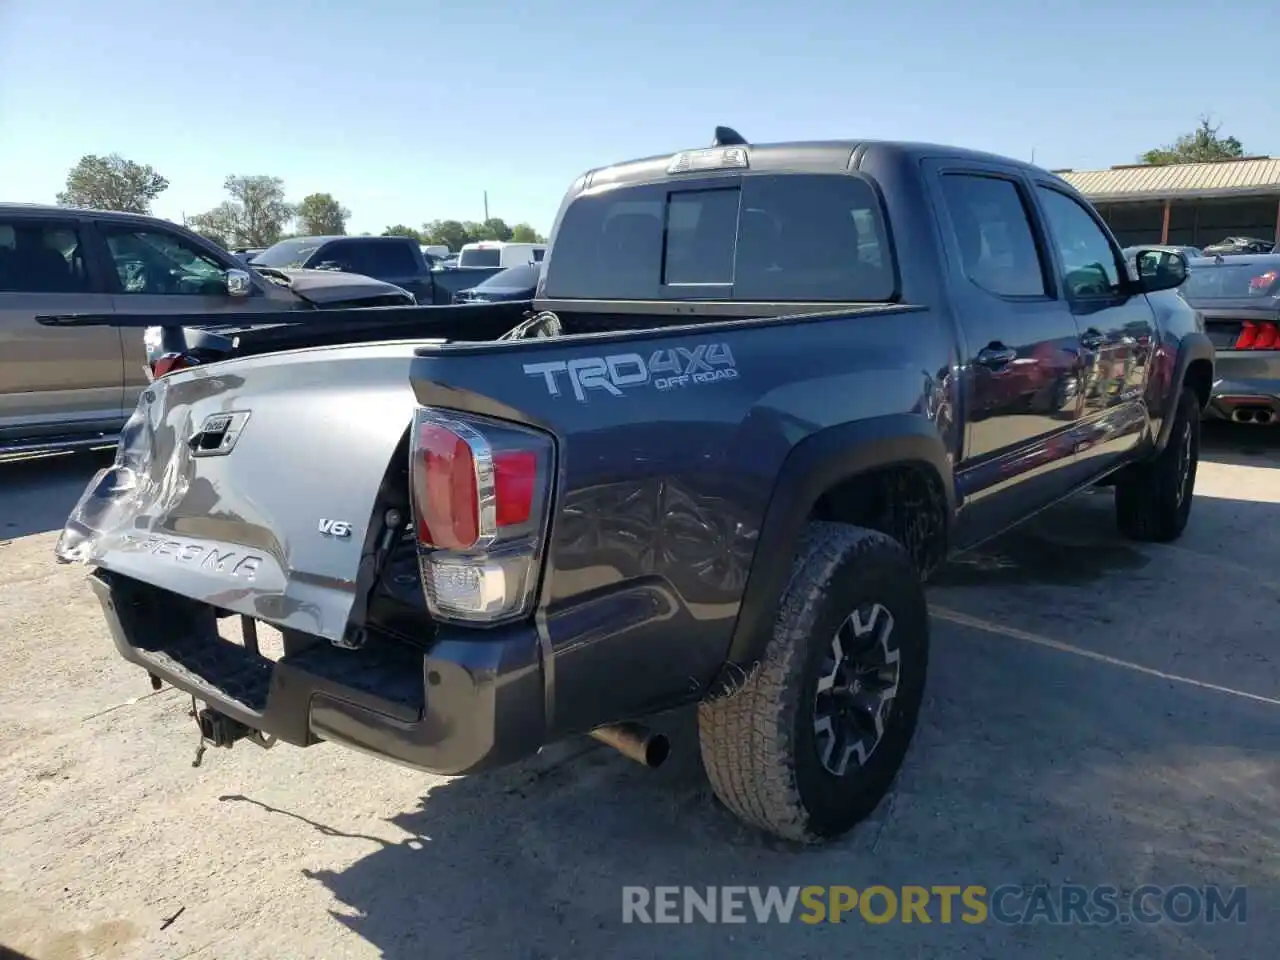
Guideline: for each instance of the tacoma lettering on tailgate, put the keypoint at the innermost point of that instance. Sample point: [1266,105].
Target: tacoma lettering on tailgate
[667,369]
[241,565]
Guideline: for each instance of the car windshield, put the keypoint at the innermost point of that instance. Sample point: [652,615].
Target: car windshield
[287,253]
[514,278]
[480,257]
[1233,281]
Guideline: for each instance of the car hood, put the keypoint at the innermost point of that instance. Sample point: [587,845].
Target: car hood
[327,286]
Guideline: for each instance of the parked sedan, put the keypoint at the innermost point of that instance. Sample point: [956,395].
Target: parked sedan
[1238,246]
[514,283]
[1239,298]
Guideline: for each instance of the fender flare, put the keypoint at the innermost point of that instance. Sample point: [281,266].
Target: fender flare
[1193,346]
[815,465]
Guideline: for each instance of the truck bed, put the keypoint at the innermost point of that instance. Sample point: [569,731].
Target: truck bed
[672,435]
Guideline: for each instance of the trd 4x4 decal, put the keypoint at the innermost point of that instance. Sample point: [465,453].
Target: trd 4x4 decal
[666,369]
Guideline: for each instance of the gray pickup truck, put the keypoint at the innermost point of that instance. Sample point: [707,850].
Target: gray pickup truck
[397,260]
[64,386]
[764,390]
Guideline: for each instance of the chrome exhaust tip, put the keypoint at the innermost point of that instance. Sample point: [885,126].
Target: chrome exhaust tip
[636,742]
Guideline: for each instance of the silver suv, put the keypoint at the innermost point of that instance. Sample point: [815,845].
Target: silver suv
[75,386]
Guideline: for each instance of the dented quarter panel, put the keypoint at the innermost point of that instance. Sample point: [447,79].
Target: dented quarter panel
[242,530]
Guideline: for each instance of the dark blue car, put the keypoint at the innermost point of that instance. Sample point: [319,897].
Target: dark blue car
[514,283]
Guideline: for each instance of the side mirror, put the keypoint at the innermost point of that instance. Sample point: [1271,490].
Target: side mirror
[1160,270]
[239,283]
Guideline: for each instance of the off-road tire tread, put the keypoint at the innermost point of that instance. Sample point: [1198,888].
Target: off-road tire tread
[1146,494]
[744,735]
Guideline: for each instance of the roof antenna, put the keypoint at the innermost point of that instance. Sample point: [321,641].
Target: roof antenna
[728,137]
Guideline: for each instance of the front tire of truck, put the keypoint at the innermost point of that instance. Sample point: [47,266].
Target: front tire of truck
[1153,499]
[811,741]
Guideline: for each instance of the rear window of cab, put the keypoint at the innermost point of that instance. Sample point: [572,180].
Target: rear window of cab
[757,238]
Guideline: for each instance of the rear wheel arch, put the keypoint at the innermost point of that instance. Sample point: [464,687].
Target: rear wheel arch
[1199,377]
[1193,368]
[866,473]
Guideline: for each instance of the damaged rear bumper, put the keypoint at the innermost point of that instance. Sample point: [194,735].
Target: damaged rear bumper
[467,704]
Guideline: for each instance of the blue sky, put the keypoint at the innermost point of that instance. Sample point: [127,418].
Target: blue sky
[408,111]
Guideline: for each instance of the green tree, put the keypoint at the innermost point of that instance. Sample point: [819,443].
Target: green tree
[523,233]
[450,233]
[495,228]
[1200,146]
[218,225]
[255,216]
[319,214]
[112,183]
[400,230]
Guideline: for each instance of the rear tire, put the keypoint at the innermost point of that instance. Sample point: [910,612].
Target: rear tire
[1153,499]
[811,742]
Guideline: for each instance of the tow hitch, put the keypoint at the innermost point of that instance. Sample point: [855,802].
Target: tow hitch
[219,730]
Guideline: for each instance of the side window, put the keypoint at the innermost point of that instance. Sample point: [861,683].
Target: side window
[349,256]
[157,262]
[390,259]
[1088,259]
[41,258]
[991,226]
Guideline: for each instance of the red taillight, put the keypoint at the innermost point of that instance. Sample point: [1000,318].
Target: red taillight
[480,490]
[515,475]
[446,501]
[1258,336]
[1263,281]
[169,363]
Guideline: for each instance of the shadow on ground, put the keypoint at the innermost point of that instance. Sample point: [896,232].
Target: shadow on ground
[1240,445]
[1032,766]
[37,493]
[1029,768]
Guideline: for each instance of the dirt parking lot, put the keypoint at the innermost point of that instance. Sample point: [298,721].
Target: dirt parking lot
[1097,713]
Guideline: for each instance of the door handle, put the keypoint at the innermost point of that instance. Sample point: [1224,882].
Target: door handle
[996,355]
[1092,339]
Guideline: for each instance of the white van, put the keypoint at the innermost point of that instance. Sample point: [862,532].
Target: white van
[499,253]
[436,250]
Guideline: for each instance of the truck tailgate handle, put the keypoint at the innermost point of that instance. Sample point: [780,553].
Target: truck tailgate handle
[996,355]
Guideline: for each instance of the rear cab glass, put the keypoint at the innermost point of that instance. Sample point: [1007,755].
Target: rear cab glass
[480,257]
[755,238]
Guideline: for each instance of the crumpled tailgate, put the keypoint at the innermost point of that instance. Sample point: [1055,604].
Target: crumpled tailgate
[252,484]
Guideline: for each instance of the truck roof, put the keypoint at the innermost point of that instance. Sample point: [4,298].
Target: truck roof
[813,156]
[327,238]
[49,209]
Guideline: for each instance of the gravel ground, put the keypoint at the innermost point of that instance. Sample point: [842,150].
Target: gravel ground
[1097,713]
